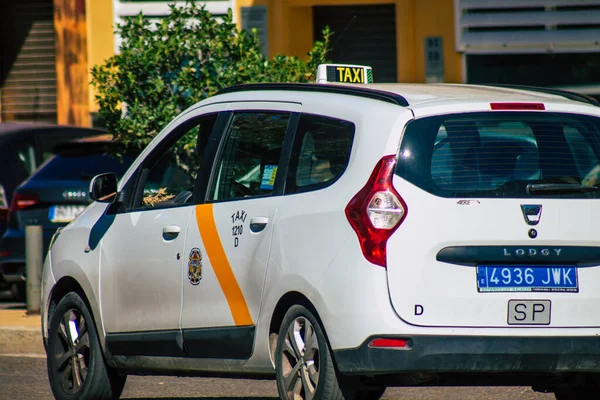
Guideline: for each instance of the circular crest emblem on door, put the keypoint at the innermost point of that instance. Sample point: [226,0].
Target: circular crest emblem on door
[195,266]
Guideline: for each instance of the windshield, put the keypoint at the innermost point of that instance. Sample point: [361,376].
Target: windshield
[503,154]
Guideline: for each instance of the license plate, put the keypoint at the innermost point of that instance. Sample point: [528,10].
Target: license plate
[527,278]
[64,213]
[529,312]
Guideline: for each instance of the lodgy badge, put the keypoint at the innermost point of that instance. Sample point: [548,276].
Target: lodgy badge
[531,252]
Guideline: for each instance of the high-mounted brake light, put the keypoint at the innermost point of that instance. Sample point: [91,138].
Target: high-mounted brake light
[517,106]
[22,201]
[376,211]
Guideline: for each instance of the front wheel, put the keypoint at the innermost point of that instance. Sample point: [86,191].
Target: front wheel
[370,394]
[76,366]
[303,366]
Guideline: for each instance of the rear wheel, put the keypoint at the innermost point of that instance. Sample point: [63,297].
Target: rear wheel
[303,365]
[76,366]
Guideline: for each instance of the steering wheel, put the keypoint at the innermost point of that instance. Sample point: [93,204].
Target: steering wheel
[182,197]
[239,189]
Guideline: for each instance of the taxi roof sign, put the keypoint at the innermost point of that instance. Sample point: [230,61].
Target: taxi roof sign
[344,73]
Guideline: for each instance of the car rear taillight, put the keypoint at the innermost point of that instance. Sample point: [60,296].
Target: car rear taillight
[22,201]
[376,211]
[389,343]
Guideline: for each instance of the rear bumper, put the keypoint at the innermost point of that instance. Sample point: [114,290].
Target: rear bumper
[460,354]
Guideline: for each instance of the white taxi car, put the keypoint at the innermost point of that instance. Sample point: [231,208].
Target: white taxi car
[342,239]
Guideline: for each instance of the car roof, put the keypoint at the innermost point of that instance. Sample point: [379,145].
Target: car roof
[103,143]
[33,128]
[418,94]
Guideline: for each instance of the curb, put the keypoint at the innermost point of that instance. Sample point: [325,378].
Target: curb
[21,340]
[20,332]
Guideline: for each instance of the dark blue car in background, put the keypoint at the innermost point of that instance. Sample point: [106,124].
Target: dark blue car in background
[52,197]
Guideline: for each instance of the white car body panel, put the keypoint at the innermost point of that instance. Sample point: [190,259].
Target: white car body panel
[445,291]
[70,260]
[142,271]
[205,305]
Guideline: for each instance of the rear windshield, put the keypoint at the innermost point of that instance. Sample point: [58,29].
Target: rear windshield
[82,167]
[503,154]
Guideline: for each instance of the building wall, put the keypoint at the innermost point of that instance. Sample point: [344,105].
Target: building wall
[71,63]
[100,39]
[290,27]
[436,18]
[28,61]
[85,37]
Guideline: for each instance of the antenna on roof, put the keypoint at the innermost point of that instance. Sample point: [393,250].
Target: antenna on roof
[332,46]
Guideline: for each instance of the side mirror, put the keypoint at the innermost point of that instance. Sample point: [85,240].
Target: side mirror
[103,188]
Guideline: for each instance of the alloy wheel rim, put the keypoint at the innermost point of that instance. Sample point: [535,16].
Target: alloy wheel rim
[72,351]
[300,360]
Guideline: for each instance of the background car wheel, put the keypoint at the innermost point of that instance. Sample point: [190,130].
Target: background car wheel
[303,365]
[76,366]
[18,290]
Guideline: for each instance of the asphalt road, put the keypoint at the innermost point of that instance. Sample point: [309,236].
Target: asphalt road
[25,378]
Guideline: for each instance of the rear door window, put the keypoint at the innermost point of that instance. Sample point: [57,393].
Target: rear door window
[250,157]
[320,153]
[503,155]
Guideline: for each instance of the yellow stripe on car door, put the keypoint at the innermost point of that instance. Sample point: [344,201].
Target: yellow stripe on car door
[218,259]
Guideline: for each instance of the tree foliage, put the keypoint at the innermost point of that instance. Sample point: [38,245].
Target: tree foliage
[164,67]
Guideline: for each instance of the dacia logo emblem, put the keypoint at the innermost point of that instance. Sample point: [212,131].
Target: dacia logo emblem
[531,213]
[74,194]
[195,266]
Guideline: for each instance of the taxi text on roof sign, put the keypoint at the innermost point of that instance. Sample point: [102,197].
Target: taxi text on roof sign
[344,73]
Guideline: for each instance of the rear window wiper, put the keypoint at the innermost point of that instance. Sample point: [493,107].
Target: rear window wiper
[560,188]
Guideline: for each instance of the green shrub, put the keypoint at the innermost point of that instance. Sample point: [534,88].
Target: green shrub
[163,68]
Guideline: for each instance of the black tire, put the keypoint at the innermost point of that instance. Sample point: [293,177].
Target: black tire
[19,291]
[303,365]
[581,392]
[76,366]
[370,394]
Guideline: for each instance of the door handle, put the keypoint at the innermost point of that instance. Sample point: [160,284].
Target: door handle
[170,232]
[257,224]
